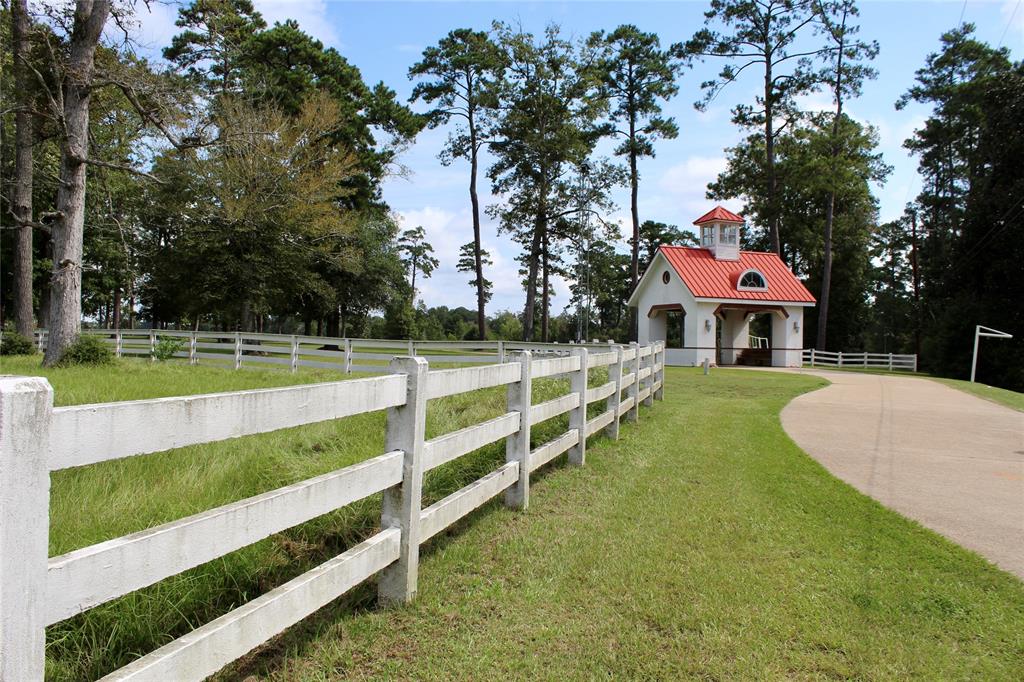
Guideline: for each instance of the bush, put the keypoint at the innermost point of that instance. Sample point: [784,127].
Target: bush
[87,350]
[167,347]
[14,343]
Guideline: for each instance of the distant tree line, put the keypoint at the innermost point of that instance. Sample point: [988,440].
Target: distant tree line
[237,185]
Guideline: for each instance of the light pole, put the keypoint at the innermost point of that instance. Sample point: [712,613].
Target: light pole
[980,331]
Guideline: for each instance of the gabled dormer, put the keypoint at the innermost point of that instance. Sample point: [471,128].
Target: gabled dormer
[720,233]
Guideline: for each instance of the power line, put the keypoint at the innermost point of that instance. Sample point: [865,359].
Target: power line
[1008,23]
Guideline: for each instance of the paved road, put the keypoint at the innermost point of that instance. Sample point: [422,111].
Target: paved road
[945,458]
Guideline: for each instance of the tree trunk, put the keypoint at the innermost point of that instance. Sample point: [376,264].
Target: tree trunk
[826,270]
[916,272]
[769,147]
[545,285]
[21,194]
[540,227]
[826,276]
[634,271]
[481,317]
[117,308]
[66,294]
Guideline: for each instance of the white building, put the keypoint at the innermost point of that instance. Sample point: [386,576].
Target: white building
[700,300]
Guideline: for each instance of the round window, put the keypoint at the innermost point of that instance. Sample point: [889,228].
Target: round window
[665,277]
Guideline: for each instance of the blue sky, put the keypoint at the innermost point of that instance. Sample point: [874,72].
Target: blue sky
[384,38]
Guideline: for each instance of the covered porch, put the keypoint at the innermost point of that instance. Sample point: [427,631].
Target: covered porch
[720,332]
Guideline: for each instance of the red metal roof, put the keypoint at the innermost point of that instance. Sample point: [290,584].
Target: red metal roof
[706,277]
[718,214]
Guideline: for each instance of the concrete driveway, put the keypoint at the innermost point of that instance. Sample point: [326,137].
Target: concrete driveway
[945,458]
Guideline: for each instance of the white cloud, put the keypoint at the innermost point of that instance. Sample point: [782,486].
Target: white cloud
[695,171]
[311,15]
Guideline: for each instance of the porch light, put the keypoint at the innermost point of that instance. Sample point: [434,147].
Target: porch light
[796,326]
[707,325]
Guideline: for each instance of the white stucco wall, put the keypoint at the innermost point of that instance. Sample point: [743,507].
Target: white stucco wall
[698,339]
[788,338]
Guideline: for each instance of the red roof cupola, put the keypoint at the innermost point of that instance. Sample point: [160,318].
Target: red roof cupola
[719,215]
[720,233]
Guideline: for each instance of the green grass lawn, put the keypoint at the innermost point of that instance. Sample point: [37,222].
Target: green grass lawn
[998,395]
[704,544]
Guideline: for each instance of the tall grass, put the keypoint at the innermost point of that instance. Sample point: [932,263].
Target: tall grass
[106,500]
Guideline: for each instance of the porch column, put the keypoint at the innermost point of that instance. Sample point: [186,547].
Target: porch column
[787,338]
[735,335]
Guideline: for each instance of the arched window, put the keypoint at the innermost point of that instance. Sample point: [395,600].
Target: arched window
[752,280]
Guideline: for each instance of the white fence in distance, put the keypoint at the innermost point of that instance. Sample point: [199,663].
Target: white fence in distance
[348,355]
[36,438]
[889,361]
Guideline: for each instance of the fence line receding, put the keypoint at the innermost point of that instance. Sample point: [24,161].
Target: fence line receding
[36,438]
[889,361]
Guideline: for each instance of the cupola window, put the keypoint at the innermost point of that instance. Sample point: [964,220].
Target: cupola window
[752,280]
[707,235]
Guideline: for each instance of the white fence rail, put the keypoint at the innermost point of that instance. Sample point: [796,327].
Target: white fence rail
[36,438]
[240,349]
[890,361]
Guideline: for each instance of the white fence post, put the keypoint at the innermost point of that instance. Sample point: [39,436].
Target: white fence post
[864,359]
[578,416]
[238,350]
[26,405]
[192,359]
[295,354]
[633,414]
[812,357]
[412,348]
[615,399]
[117,344]
[660,393]
[406,427]
[347,350]
[649,381]
[915,363]
[517,445]
[501,352]
[152,345]
[840,358]
[890,362]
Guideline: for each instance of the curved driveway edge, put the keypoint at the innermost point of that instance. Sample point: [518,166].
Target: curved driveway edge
[951,461]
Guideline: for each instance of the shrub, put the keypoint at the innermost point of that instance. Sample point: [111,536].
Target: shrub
[14,343]
[87,350]
[167,347]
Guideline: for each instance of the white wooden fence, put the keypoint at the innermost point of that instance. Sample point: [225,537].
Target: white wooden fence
[890,361]
[37,438]
[239,349]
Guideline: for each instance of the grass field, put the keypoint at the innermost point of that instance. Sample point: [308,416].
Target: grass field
[998,395]
[702,544]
